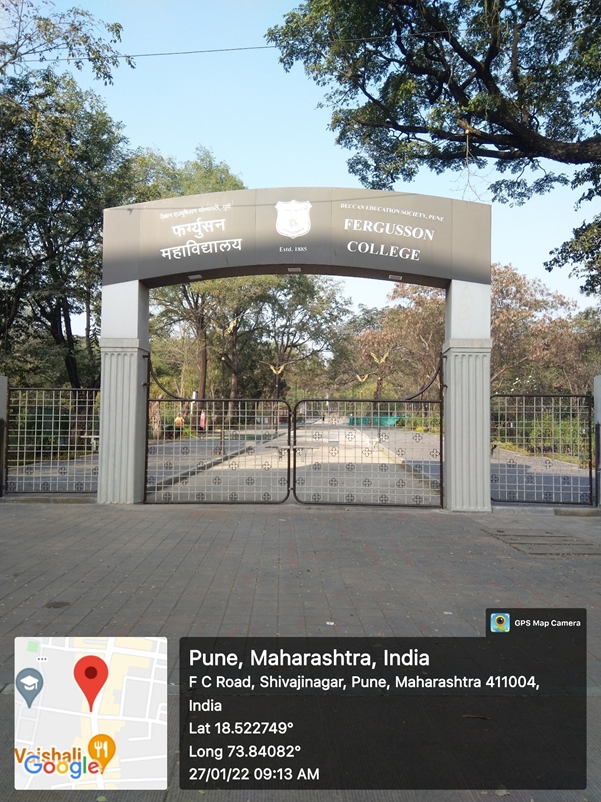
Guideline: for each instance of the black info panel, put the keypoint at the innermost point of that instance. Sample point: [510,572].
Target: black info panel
[505,710]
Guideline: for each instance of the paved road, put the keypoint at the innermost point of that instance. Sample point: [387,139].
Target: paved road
[239,570]
[55,476]
[518,477]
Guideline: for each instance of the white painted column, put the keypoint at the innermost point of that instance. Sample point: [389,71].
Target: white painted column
[466,365]
[124,344]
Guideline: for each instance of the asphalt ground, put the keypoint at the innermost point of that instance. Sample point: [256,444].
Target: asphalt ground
[242,570]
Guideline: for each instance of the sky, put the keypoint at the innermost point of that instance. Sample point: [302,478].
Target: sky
[267,125]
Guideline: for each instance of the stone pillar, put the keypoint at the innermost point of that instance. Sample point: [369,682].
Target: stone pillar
[597,437]
[124,344]
[466,365]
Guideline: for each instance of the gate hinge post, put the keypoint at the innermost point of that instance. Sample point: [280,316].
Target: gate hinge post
[597,430]
[3,429]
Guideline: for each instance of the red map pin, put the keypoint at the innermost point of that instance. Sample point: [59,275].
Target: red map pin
[90,674]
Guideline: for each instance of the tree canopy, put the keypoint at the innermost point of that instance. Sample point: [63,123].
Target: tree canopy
[540,344]
[245,336]
[63,161]
[458,84]
[157,176]
[36,32]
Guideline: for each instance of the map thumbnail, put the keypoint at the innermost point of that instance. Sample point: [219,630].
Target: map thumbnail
[90,713]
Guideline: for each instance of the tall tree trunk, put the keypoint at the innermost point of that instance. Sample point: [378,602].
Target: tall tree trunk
[235,361]
[69,341]
[202,381]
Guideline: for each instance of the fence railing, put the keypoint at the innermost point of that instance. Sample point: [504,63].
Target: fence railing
[348,451]
[2,456]
[218,450]
[52,440]
[542,449]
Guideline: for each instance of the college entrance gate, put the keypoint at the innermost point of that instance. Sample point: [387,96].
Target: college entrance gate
[341,451]
[391,236]
[328,451]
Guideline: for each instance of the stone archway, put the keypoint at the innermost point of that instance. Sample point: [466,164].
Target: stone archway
[390,236]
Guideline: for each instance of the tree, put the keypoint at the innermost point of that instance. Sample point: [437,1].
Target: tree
[392,352]
[347,365]
[300,318]
[157,176]
[539,344]
[418,319]
[583,253]
[186,309]
[310,378]
[63,161]
[76,163]
[194,306]
[250,331]
[35,32]
[527,318]
[455,85]
[222,317]
[236,317]
[572,356]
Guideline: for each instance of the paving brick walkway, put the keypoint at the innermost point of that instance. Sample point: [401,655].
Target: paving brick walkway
[262,570]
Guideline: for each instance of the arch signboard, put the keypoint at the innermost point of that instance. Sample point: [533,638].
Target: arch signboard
[394,236]
[387,235]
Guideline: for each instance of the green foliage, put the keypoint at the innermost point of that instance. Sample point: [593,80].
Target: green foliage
[31,358]
[539,343]
[74,161]
[156,176]
[420,423]
[455,85]
[583,254]
[563,436]
[392,352]
[35,32]
[553,436]
[248,337]
[63,160]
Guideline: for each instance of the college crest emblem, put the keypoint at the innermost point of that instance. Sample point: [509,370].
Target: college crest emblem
[293,218]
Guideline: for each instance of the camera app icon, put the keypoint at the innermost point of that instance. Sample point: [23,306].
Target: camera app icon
[500,622]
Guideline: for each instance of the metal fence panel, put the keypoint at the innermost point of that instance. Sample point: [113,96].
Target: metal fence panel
[218,450]
[52,441]
[2,455]
[368,452]
[541,449]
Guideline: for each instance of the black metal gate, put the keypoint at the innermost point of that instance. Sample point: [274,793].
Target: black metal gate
[542,449]
[368,452]
[341,451]
[218,450]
